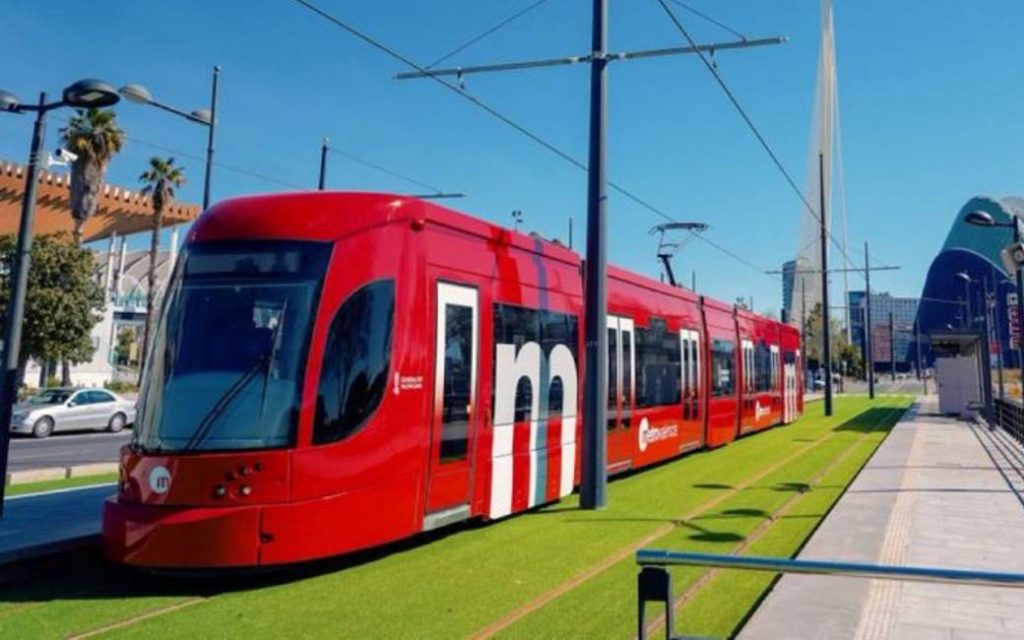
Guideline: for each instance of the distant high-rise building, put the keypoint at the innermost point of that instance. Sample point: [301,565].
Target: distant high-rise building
[788,281]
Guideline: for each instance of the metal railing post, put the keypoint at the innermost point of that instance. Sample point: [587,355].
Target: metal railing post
[654,584]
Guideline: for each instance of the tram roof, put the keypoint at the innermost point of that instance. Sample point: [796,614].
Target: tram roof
[330,215]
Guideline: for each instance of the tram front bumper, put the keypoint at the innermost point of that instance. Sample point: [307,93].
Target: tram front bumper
[163,537]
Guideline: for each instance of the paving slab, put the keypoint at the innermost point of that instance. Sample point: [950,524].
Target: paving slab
[53,522]
[938,492]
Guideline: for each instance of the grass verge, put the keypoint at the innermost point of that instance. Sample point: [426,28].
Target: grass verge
[66,483]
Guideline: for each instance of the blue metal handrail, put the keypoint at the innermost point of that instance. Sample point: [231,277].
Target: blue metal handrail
[654,583]
[648,557]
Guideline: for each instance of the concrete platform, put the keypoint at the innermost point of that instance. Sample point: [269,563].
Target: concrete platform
[938,492]
[48,523]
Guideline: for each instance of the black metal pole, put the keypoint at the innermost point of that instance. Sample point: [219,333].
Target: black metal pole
[323,164]
[993,303]
[864,341]
[969,306]
[892,347]
[917,348]
[867,324]
[826,330]
[986,371]
[803,326]
[210,138]
[19,286]
[594,480]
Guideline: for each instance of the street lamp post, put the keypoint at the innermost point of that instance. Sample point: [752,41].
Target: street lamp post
[965,277]
[82,94]
[207,117]
[985,219]
[992,311]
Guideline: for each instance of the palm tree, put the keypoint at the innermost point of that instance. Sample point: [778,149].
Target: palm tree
[159,182]
[92,135]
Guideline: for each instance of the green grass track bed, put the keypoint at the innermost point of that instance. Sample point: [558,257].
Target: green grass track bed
[519,578]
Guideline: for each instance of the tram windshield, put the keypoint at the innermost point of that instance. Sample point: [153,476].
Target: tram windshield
[229,351]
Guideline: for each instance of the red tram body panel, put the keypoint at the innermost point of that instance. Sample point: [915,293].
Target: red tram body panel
[335,371]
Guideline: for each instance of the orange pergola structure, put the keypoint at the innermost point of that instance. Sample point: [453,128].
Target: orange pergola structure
[121,211]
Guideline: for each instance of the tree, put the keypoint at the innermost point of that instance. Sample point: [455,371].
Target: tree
[123,347]
[159,182]
[95,137]
[63,302]
[841,349]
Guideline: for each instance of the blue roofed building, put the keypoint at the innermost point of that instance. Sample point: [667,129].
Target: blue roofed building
[950,302]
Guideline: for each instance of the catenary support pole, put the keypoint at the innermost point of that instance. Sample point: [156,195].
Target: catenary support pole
[803,327]
[826,330]
[210,138]
[594,480]
[868,338]
[19,286]
[892,347]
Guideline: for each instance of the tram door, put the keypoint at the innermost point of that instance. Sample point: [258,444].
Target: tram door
[455,415]
[790,387]
[621,363]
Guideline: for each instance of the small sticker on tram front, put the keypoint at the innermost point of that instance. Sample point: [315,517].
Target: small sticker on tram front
[159,479]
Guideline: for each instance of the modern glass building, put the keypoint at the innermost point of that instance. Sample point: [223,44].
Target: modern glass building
[949,301]
[903,315]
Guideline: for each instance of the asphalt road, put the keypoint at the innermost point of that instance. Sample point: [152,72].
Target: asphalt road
[64,450]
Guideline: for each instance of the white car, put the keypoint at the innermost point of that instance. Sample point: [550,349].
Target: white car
[68,409]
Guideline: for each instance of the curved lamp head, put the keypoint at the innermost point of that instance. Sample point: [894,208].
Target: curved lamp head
[202,116]
[963,276]
[136,93]
[90,93]
[8,101]
[980,218]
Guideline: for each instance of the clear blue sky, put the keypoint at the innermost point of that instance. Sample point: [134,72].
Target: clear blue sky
[930,92]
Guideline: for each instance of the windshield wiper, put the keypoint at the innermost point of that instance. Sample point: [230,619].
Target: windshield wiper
[263,363]
[204,429]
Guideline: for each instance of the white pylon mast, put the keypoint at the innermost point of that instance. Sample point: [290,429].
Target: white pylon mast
[824,120]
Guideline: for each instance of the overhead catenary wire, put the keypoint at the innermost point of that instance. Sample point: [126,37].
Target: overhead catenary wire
[194,156]
[383,169]
[706,17]
[462,92]
[490,31]
[731,96]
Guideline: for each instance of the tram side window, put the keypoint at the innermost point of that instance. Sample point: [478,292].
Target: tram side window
[518,325]
[763,366]
[658,376]
[613,374]
[558,329]
[723,365]
[353,378]
[457,382]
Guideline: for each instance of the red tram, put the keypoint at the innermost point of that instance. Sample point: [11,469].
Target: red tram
[334,371]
